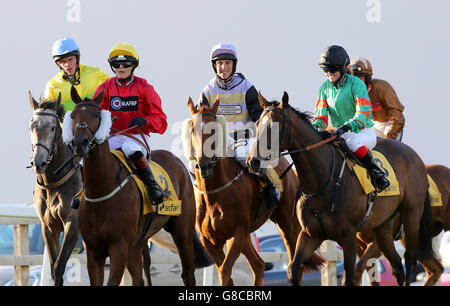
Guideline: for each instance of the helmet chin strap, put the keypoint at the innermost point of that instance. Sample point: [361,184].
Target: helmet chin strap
[73,79]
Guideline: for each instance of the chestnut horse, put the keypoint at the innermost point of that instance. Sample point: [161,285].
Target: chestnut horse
[230,204]
[112,224]
[368,248]
[58,180]
[331,211]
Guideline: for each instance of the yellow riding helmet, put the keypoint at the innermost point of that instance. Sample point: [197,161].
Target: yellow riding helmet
[124,52]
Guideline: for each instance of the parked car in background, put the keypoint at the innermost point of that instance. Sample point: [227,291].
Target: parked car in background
[275,274]
[444,249]
[77,275]
[36,247]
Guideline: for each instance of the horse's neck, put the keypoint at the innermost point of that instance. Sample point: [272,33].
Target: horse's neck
[99,168]
[313,167]
[62,154]
[224,171]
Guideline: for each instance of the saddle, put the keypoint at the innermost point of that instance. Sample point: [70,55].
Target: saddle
[171,205]
[358,169]
[271,174]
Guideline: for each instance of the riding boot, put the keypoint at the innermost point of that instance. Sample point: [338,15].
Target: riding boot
[270,191]
[378,176]
[146,175]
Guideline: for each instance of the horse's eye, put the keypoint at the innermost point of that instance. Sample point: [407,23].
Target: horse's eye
[97,115]
[71,116]
[53,128]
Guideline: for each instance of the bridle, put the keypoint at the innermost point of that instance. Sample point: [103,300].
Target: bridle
[300,193]
[213,161]
[83,125]
[214,158]
[50,150]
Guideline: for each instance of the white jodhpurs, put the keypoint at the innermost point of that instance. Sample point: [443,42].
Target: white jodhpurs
[366,138]
[382,128]
[128,145]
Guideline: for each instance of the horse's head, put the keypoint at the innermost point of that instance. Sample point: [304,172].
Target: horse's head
[45,130]
[205,136]
[270,134]
[87,125]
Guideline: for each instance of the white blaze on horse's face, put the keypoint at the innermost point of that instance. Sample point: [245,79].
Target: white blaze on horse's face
[267,145]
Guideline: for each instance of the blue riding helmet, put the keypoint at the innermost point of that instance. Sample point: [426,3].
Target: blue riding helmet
[65,47]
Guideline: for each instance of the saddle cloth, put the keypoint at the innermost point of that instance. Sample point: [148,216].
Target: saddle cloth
[364,178]
[274,178]
[171,206]
[435,195]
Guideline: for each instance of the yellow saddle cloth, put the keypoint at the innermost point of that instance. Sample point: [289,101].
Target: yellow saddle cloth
[171,205]
[274,178]
[383,163]
[435,195]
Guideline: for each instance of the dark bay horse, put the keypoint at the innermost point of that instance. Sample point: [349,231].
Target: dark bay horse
[336,213]
[58,180]
[368,248]
[230,204]
[113,225]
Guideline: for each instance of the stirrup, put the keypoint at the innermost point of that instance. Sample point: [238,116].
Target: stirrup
[381,183]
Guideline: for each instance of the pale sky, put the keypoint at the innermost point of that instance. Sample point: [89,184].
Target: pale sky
[278,43]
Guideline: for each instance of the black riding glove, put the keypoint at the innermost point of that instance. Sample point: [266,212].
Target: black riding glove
[343,129]
[137,121]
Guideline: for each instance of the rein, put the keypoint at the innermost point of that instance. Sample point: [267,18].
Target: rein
[213,162]
[92,144]
[237,177]
[51,152]
[300,194]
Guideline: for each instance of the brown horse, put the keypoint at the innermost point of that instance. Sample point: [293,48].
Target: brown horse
[335,212]
[113,225]
[58,180]
[230,204]
[368,248]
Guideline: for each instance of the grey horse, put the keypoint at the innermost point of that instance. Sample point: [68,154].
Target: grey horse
[58,180]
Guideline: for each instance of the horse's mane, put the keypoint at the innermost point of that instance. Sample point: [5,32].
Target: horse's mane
[305,116]
[51,104]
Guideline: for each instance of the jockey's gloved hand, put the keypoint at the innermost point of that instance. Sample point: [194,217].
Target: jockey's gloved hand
[317,127]
[341,130]
[137,121]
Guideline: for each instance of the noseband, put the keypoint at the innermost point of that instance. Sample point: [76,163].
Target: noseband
[300,192]
[83,125]
[50,150]
[214,158]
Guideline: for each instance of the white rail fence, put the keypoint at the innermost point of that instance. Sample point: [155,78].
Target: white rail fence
[22,216]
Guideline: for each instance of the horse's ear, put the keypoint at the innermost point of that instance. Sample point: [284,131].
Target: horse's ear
[34,104]
[74,95]
[284,100]
[262,101]
[191,106]
[58,101]
[99,98]
[216,104]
